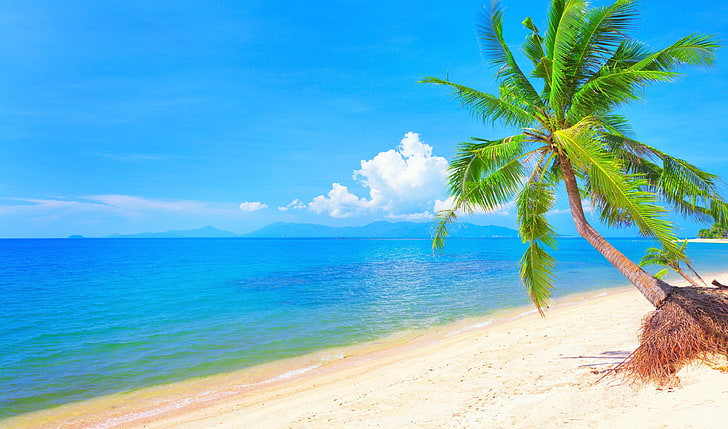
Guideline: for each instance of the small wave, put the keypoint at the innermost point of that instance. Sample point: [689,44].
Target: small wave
[289,374]
[525,313]
[210,396]
[467,328]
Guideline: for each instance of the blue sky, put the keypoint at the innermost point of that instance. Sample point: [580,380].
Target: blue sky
[131,116]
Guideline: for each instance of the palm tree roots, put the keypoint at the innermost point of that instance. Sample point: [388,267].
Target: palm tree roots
[690,326]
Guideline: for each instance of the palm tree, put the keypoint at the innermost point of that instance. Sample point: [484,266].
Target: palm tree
[671,261]
[583,68]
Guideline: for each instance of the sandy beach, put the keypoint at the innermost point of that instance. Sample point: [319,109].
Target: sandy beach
[512,370]
[708,240]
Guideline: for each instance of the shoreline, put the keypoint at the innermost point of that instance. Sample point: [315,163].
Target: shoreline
[187,403]
[708,240]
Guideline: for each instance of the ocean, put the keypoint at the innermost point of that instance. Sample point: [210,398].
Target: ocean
[81,318]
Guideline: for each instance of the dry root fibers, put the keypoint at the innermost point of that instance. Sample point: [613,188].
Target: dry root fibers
[690,326]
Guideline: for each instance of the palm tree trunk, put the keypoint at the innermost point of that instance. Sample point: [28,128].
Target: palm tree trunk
[655,290]
[685,275]
[696,274]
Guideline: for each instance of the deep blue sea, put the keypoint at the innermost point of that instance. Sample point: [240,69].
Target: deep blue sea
[81,318]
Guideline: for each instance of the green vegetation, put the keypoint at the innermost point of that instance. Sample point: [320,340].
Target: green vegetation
[672,261]
[568,130]
[715,231]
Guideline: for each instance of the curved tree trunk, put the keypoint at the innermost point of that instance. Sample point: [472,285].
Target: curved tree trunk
[690,267]
[685,275]
[655,290]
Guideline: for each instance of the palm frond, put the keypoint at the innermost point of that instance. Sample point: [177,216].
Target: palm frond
[533,46]
[600,95]
[533,202]
[719,211]
[486,174]
[444,219]
[624,193]
[561,39]
[536,266]
[603,33]
[616,83]
[618,125]
[536,270]
[653,256]
[688,189]
[496,51]
[662,273]
[695,49]
[628,53]
[555,15]
[671,260]
[486,107]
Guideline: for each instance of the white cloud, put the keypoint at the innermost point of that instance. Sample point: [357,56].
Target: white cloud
[444,205]
[295,204]
[403,183]
[339,202]
[106,203]
[249,206]
[129,202]
[125,206]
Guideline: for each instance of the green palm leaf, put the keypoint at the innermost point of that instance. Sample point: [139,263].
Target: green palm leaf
[695,49]
[561,40]
[689,190]
[495,49]
[487,107]
[533,202]
[612,88]
[602,33]
[484,175]
[608,180]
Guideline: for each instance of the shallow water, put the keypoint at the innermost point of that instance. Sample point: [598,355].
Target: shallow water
[84,318]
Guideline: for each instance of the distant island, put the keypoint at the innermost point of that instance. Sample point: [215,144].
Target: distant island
[380,229]
[206,232]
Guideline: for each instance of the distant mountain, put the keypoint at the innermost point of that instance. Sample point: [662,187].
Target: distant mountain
[206,232]
[308,230]
[376,230]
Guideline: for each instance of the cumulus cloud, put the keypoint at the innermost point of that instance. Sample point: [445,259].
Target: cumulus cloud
[295,205]
[403,183]
[339,202]
[248,206]
[444,205]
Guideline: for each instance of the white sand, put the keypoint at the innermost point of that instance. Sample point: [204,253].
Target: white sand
[708,240]
[517,372]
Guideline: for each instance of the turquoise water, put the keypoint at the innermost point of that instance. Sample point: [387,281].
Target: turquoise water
[88,317]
